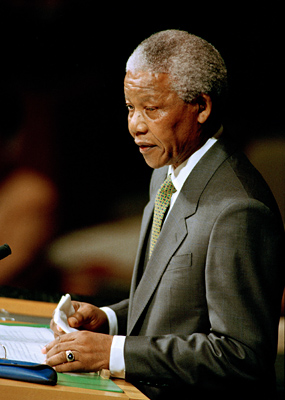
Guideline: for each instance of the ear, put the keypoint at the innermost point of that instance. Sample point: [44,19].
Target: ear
[205,107]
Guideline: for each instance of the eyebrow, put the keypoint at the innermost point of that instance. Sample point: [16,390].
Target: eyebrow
[149,98]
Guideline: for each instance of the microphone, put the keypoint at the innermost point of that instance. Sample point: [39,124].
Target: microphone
[5,251]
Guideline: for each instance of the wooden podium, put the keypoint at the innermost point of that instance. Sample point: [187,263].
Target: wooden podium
[12,390]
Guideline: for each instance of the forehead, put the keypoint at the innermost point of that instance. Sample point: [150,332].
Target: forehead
[146,84]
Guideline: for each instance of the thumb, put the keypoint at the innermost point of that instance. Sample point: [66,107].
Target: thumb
[76,320]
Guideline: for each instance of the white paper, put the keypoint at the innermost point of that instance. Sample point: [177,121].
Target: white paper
[64,310]
[25,343]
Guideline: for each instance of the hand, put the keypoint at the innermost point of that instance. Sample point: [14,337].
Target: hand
[91,351]
[87,317]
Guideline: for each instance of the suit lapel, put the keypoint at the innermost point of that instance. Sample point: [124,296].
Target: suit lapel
[173,232]
[146,220]
[147,216]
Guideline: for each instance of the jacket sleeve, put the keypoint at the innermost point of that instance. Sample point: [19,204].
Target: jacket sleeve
[244,281]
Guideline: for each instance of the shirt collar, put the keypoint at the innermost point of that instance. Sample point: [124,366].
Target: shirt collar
[180,174]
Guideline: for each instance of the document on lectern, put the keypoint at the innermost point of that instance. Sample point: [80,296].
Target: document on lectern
[24,343]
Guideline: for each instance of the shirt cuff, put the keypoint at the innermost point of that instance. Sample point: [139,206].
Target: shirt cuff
[117,360]
[112,318]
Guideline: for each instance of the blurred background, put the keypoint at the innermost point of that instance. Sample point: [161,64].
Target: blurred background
[65,146]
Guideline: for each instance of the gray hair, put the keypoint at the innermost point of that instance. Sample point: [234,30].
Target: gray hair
[194,65]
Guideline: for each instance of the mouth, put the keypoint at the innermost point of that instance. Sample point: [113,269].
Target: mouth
[145,147]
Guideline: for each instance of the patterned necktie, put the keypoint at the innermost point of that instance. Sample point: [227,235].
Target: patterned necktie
[161,204]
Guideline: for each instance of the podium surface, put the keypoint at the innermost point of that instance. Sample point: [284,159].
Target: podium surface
[11,390]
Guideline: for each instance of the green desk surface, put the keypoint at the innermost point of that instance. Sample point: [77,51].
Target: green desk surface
[85,381]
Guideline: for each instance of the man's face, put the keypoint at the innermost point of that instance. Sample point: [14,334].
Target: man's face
[163,126]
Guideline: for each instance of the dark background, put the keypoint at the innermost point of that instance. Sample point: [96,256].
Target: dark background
[66,60]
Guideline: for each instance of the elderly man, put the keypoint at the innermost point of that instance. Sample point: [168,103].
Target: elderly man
[204,304]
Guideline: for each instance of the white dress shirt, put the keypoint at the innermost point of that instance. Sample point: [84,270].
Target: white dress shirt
[178,176]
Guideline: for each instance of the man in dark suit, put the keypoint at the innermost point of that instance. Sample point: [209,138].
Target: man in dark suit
[202,316]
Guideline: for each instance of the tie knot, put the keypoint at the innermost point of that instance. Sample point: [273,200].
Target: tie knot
[167,188]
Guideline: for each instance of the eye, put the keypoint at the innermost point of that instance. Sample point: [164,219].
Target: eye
[129,107]
[151,108]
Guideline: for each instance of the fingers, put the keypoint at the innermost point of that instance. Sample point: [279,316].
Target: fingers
[76,320]
[58,343]
[90,318]
[76,305]
[57,331]
[56,354]
[61,331]
[74,323]
[69,367]
[60,363]
[86,317]
[91,351]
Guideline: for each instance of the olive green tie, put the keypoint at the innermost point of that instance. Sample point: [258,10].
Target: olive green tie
[161,204]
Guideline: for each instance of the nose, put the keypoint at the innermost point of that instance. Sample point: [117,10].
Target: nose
[137,124]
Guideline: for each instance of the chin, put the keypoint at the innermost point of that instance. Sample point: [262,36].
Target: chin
[155,165]
[157,162]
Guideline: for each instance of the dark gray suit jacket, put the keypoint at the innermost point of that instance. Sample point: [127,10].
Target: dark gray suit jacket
[204,316]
